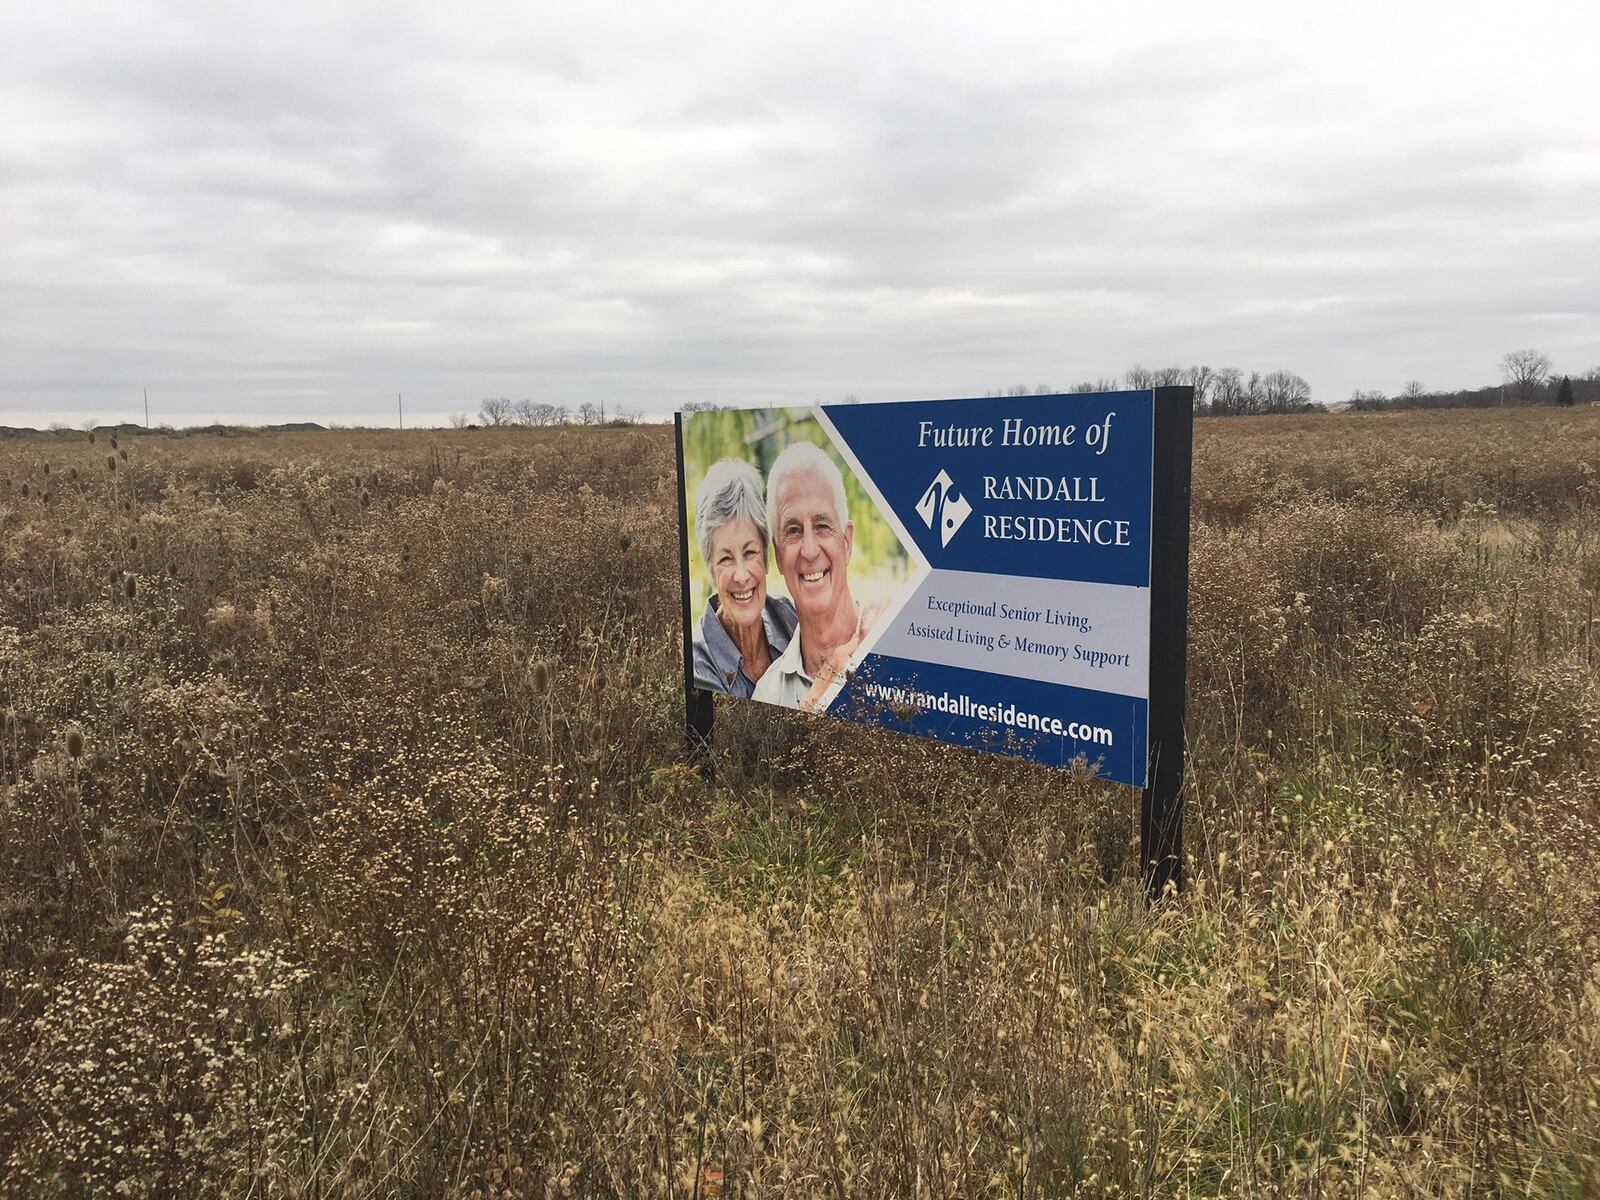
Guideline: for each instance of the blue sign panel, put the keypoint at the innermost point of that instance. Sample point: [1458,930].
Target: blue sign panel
[974,571]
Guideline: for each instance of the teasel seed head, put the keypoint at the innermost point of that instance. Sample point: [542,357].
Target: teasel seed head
[113,441]
[123,454]
[111,462]
[74,742]
[130,586]
[47,469]
[540,677]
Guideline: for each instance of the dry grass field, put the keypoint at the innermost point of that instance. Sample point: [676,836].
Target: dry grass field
[347,848]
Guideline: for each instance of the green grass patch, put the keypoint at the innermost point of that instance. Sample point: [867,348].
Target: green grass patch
[755,858]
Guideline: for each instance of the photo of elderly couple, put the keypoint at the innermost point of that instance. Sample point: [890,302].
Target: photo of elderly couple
[765,490]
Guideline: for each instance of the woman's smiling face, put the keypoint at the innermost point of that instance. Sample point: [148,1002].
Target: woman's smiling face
[739,571]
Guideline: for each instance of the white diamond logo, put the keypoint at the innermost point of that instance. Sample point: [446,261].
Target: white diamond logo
[943,508]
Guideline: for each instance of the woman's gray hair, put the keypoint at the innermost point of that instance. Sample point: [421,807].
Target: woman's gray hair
[805,458]
[731,489]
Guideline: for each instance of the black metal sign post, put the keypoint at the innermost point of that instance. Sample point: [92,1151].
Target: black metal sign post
[1161,813]
[697,703]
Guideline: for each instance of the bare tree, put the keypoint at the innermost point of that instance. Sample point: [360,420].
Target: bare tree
[1096,385]
[588,413]
[1228,392]
[1284,391]
[1200,379]
[1022,389]
[1525,371]
[459,420]
[1365,400]
[495,411]
[1139,378]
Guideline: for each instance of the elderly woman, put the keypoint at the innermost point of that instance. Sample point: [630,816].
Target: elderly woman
[743,630]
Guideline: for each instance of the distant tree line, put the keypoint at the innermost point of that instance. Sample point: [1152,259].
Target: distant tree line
[1218,391]
[1526,377]
[499,412]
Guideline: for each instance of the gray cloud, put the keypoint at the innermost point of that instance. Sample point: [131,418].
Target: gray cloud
[295,212]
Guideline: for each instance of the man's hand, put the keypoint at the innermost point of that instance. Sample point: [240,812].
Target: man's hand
[837,662]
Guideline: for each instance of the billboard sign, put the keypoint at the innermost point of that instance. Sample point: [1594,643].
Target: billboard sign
[974,571]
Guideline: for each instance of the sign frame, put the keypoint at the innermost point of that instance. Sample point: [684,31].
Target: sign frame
[1161,804]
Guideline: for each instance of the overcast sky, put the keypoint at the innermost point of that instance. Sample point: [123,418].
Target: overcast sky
[293,211]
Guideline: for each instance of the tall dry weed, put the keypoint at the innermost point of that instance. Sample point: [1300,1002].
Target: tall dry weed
[352,851]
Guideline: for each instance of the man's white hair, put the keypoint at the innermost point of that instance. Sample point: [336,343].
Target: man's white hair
[804,458]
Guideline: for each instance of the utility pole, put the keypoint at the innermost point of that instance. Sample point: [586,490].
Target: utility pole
[147,408]
[400,403]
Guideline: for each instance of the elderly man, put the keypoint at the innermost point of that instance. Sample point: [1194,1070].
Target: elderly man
[812,536]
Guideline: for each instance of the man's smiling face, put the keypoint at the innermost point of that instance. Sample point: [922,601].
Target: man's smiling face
[813,545]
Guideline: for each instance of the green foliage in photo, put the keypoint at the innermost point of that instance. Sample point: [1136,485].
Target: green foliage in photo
[758,436]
